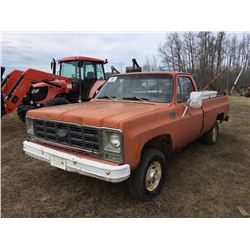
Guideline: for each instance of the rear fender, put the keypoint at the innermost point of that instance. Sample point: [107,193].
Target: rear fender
[95,87]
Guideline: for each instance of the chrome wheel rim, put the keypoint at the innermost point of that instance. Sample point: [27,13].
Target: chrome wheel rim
[153,176]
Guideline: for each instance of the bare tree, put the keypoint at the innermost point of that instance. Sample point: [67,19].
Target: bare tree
[151,64]
[205,54]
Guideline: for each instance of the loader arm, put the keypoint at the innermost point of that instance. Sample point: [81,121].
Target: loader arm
[18,84]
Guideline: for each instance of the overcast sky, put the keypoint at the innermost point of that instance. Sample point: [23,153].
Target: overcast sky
[35,50]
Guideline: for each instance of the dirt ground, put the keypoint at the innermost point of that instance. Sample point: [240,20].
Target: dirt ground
[203,181]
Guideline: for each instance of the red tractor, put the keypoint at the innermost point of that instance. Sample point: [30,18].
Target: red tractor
[78,79]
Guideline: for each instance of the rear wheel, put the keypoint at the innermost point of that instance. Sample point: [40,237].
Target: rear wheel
[56,101]
[146,181]
[210,138]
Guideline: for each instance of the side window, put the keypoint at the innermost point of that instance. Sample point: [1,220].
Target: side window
[185,87]
[99,72]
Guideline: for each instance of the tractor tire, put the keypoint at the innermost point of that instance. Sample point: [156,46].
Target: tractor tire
[211,137]
[147,180]
[21,113]
[56,101]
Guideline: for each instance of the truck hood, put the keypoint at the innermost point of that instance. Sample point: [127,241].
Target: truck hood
[100,113]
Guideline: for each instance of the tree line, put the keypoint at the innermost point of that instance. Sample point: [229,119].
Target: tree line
[205,55]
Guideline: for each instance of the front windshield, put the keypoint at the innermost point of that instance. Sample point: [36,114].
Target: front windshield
[141,87]
[69,69]
[89,70]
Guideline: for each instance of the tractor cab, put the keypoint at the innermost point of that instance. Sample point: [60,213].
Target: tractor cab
[84,72]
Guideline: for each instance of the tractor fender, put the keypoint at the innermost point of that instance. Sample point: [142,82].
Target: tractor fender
[98,84]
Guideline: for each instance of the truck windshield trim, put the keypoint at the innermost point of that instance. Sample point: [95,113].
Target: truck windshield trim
[142,87]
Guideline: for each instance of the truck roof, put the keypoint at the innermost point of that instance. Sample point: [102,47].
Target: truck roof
[83,58]
[154,72]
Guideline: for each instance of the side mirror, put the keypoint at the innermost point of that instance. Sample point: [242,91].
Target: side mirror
[195,100]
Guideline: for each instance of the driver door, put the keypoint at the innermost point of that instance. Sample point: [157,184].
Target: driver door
[89,78]
[190,124]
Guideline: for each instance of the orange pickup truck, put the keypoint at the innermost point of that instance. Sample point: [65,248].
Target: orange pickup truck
[128,131]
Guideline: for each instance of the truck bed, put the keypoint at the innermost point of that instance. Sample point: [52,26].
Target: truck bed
[213,108]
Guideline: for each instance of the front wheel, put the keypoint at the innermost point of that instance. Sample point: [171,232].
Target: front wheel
[146,181]
[21,113]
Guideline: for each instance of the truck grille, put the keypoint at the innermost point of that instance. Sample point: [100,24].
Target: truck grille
[74,136]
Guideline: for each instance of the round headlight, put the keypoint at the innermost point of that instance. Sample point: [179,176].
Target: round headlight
[115,140]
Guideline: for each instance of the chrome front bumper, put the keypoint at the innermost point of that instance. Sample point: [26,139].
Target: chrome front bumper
[72,163]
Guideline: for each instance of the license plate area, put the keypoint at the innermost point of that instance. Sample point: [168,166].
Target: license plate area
[58,162]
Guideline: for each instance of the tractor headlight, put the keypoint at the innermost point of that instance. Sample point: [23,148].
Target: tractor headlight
[30,128]
[112,145]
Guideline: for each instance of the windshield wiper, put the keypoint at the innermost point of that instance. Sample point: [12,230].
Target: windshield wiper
[107,97]
[136,98]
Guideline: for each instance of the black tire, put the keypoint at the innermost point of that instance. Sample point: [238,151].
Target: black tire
[21,113]
[137,181]
[56,101]
[211,137]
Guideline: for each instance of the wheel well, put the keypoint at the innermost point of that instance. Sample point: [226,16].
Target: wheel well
[220,117]
[162,143]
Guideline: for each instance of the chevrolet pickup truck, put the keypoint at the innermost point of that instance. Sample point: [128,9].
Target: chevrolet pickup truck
[129,130]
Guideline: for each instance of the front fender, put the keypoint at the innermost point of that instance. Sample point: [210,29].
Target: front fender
[137,133]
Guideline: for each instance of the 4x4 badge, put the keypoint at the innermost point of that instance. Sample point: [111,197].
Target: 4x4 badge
[172,114]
